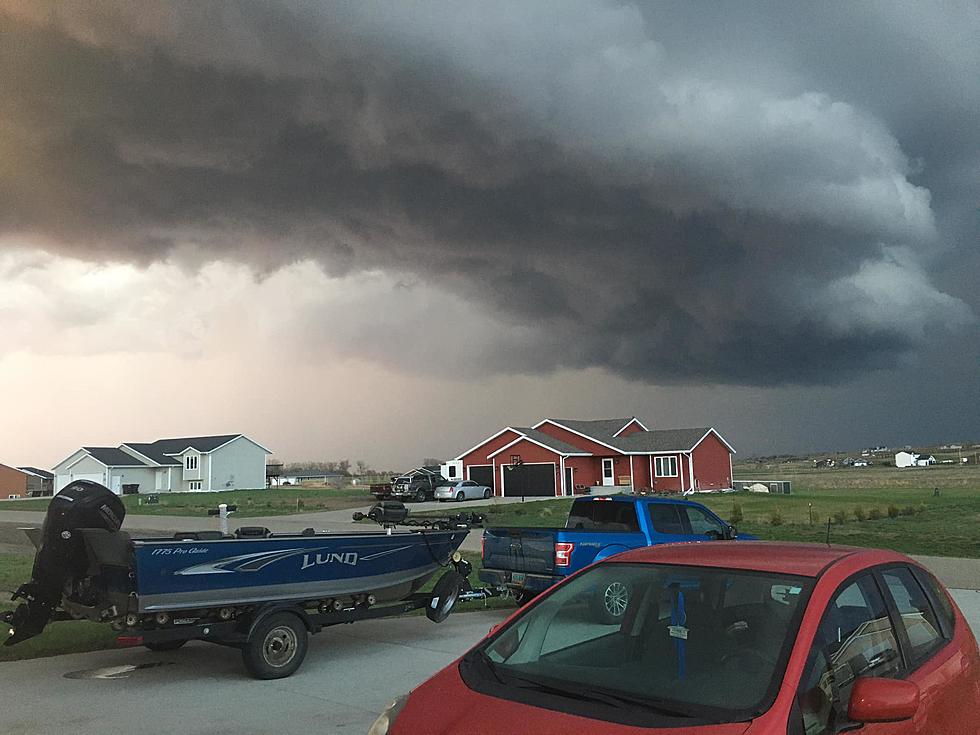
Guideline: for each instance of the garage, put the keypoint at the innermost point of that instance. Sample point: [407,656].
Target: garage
[482,474]
[529,479]
[62,480]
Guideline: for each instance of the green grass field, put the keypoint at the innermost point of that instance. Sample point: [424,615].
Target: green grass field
[941,526]
[251,503]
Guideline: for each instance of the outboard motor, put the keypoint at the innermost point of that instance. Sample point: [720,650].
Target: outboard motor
[63,556]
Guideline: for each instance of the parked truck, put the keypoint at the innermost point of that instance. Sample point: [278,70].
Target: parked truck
[529,560]
[420,484]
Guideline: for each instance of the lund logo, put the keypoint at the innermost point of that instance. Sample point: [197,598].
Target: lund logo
[312,560]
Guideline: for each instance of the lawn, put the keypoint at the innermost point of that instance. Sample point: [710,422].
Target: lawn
[924,524]
[251,503]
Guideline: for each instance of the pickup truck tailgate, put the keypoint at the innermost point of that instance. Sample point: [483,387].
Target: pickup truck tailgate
[528,550]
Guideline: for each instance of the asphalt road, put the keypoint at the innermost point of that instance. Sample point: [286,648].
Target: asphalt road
[349,676]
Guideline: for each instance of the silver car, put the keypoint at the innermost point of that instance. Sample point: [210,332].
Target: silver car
[463,490]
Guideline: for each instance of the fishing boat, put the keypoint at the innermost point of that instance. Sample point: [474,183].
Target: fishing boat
[220,587]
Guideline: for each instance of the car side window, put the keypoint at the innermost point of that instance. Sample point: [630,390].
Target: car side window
[855,639]
[942,605]
[916,613]
[665,518]
[701,522]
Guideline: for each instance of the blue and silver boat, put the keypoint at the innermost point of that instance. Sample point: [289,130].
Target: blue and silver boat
[194,573]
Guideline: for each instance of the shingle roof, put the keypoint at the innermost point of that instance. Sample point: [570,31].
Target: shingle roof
[158,450]
[549,441]
[40,473]
[663,440]
[602,429]
[113,457]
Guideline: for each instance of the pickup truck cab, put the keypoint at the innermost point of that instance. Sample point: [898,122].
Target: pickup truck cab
[530,560]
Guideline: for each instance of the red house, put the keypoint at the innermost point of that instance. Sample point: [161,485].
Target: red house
[565,457]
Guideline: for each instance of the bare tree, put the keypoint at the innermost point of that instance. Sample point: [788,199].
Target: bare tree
[362,467]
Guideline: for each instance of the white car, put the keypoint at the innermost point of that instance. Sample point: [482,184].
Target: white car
[463,490]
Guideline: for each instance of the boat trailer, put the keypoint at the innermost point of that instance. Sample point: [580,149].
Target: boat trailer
[86,568]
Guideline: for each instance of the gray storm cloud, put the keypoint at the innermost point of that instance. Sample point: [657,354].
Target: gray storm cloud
[612,195]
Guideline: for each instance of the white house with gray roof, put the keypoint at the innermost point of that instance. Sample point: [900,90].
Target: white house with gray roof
[185,464]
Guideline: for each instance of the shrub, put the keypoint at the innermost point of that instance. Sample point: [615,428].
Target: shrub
[908,510]
[893,511]
[859,514]
[300,503]
[775,518]
[875,514]
[840,517]
[736,515]
[922,507]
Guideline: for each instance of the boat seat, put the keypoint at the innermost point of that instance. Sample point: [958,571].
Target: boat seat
[252,532]
[198,535]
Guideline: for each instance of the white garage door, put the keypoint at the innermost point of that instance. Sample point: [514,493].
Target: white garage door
[62,480]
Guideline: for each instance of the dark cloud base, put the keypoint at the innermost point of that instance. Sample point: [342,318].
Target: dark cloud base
[379,158]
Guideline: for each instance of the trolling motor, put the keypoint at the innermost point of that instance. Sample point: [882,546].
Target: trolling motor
[62,558]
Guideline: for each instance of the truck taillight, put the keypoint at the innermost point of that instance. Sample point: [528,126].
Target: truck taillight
[483,547]
[563,554]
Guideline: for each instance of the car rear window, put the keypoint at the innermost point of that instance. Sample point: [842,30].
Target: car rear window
[603,515]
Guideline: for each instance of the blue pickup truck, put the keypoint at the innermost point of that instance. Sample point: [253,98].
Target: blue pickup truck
[529,560]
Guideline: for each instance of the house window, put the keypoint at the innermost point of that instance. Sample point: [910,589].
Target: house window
[452,471]
[190,462]
[665,466]
[195,485]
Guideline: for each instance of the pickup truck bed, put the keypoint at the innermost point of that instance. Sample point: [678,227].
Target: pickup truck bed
[530,560]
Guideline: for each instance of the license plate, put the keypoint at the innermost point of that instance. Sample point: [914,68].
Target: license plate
[517,577]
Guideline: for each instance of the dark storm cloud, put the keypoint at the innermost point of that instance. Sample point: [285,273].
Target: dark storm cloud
[675,195]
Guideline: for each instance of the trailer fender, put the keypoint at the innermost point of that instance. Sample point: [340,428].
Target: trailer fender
[267,610]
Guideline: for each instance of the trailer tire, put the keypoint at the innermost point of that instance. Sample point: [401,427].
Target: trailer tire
[444,596]
[276,646]
[160,646]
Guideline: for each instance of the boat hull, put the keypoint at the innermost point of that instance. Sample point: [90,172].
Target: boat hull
[189,574]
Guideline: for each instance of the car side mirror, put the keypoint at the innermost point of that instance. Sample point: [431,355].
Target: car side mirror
[882,700]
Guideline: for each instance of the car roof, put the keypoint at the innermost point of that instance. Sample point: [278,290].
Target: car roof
[807,560]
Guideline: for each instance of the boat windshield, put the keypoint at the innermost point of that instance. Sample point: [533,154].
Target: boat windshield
[688,643]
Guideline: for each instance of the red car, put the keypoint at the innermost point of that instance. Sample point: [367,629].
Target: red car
[718,639]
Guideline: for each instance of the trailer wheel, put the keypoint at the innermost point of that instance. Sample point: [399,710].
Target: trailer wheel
[165,645]
[444,596]
[276,647]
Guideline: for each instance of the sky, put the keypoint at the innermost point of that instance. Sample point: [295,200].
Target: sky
[384,230]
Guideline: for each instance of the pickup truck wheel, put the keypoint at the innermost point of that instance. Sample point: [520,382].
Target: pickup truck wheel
[165,645]
[420,496]
[444,596]
[610,601]
[276,647]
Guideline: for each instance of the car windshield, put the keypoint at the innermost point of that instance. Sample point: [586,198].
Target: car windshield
[697,643]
